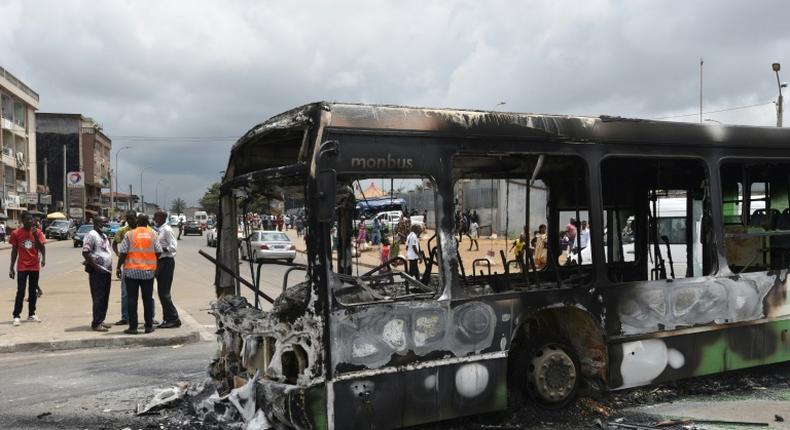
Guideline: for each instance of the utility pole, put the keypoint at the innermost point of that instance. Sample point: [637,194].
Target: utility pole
[700,89]
[65,197]
[780,101]
[130,196]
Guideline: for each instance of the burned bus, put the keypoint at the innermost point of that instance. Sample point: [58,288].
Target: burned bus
[350,344]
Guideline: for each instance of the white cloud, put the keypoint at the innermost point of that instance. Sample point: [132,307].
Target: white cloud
[208,68]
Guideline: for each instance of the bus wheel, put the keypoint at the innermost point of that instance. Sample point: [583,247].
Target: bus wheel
[550,373]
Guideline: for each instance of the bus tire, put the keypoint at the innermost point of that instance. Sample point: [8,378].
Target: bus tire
[547,371]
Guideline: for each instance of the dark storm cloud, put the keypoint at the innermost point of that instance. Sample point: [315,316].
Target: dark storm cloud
[200,68]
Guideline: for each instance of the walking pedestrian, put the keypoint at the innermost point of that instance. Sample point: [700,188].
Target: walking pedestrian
[362,236]
[2,232]
[384,254]
[27,243]
[180,228]
[541,252]
[164,271]
[473,235]
[570,232]
[139,252]
[518,249]
[98,263]
[413,252]
[376,231]
[584,235]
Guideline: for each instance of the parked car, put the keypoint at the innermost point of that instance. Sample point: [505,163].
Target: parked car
[111,228]
[192,227]
[60,229]
[269,245]
[211,237]
[80,234]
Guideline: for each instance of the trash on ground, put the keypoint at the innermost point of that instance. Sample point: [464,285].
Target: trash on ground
[166,397]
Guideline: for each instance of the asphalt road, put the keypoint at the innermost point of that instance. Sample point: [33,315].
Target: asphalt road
[100,388]
[91,389]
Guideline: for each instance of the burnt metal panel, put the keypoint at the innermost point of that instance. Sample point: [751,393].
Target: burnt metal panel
[416,396]
[651,360]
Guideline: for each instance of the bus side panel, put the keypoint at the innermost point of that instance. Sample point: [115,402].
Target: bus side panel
[667,358]
[407,398]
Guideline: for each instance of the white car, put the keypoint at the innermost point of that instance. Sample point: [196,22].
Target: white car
[390,219]
[269,245]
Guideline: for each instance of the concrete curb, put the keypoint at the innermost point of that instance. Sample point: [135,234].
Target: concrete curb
[203,333]
[196,333]
[101,342]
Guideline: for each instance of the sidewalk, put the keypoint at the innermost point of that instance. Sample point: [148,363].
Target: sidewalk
[65,309]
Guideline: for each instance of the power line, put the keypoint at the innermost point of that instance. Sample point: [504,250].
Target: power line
[716,111]
[173,138]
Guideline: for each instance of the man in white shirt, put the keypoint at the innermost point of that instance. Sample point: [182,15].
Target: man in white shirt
[413,252]
[584,235]
[164,270]
[98,263]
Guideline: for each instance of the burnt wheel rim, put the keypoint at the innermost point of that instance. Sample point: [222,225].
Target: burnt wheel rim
[553,374]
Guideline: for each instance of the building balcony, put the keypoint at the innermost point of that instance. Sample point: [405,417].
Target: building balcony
[9,159]
[13,127]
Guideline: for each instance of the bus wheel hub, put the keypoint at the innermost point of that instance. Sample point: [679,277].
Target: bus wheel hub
[554,375]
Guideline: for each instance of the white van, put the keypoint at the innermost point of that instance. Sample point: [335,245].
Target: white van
[202,219]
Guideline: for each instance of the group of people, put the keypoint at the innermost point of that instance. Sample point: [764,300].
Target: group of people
[536,248]
[569,242]
[404,233]
[145,253]
[273,222]
[573,239]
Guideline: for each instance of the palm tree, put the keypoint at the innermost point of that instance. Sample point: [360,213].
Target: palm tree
[178,206]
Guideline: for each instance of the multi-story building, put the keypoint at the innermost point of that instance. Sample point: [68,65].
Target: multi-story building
[18,104]
[87,150]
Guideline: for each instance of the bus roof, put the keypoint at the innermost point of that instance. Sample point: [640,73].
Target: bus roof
[486,123]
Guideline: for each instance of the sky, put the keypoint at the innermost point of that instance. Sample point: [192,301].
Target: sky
[179,81]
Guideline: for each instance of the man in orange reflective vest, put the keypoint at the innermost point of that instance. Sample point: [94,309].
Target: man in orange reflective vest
[139,253]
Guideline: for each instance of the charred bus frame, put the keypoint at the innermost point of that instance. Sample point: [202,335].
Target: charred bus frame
[334,353]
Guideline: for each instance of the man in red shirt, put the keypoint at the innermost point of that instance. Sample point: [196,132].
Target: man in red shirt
[27,244]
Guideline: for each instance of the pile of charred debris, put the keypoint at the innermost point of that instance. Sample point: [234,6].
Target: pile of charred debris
[200,405]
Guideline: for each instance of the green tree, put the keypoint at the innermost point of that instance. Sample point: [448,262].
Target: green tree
[178,206]
[210,200]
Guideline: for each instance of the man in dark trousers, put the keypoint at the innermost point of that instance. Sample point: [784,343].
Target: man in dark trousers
[413,252]
[131,224]
[98,263]
[28,245]
[139,253]
[165,269]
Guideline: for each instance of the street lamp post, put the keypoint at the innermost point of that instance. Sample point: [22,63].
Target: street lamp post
[112,193]
[142,197]
[157,193]
[779,102]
